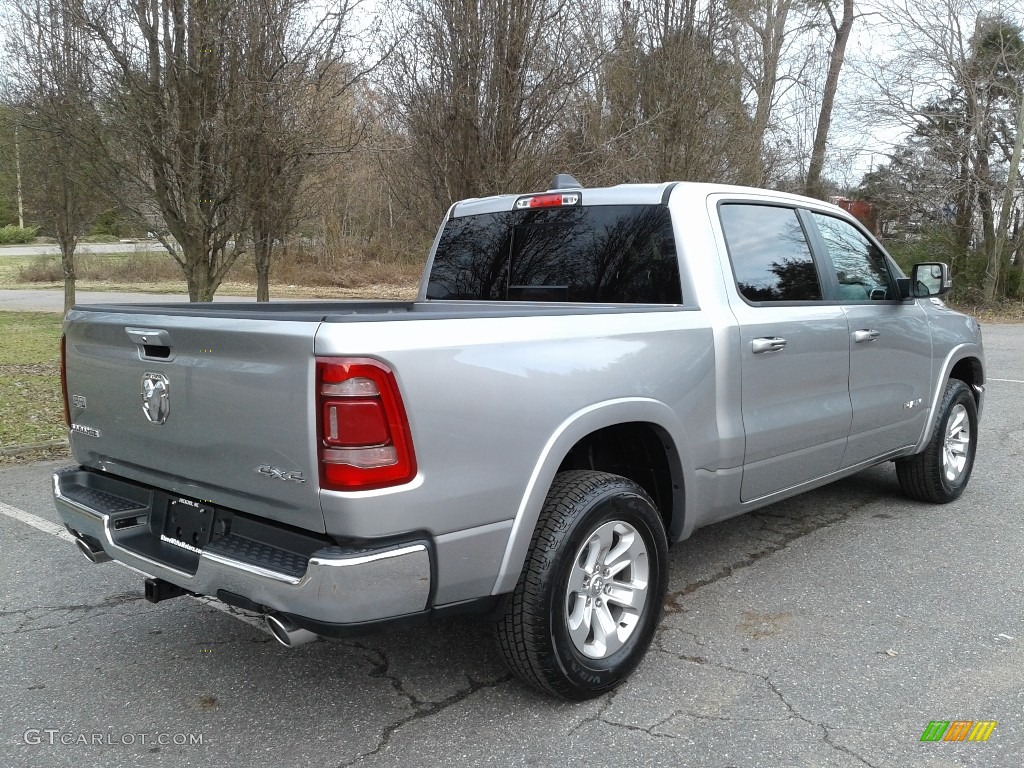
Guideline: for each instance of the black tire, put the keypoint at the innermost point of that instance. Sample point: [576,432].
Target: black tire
[582,510]
[935,475]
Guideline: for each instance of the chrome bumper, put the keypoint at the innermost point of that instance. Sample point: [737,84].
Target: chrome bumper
[337,587]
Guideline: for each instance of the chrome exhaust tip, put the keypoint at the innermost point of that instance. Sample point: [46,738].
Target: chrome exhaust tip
[287,632]
[93,552]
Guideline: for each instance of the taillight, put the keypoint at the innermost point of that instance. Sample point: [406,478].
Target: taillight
[64,379]
[362,426]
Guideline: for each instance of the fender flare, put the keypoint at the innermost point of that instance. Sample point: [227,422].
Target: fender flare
[968,351]
[583,422]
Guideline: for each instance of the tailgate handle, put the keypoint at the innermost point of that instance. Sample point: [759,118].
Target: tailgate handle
[153,343]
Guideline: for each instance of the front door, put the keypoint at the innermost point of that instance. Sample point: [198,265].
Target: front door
[890,344]
[794,351]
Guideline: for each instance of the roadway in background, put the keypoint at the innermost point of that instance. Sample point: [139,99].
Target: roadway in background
[48,300]
[54,250]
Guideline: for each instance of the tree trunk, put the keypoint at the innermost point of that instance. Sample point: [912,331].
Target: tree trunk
[993,271]
[983,173]
[813,187]
[201,284]
[262,245]
[64,224]
[67,263]
[964,220]
[1001,262]
[199,288]
[772,37]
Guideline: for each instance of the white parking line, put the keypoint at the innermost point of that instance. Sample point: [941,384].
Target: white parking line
[60,532]
[1011,381]
[36,522]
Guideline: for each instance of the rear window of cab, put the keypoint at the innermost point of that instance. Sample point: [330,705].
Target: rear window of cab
[601,254]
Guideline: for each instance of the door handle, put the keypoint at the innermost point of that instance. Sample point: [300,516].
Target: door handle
[864,335]
[767,344]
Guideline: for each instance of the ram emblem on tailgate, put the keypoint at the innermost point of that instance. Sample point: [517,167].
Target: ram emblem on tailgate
[156,402]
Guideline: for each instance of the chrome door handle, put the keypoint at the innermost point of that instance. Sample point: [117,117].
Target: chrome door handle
[767,344]
[864,335]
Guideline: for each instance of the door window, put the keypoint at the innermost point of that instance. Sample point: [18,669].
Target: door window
[770,257]
[860,266]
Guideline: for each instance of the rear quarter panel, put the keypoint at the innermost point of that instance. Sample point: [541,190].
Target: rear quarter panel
[496,403]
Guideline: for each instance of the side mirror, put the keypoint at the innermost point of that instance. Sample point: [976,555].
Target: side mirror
[930,279]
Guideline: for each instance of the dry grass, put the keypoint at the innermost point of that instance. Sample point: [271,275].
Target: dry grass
[297,274]
[1004,312]
[115,267]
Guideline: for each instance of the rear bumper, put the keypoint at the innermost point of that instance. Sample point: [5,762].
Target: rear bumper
[332,585]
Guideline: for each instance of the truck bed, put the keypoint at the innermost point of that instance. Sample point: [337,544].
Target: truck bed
[341,311]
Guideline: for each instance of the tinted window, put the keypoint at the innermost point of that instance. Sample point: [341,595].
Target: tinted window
[769,253]
[607,254]
[860,265]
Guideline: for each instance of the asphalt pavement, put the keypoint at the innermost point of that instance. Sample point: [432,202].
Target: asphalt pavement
[45,300]
[54,250]
[826,631]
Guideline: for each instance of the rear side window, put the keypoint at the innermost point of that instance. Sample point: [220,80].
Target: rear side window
[769,253]
[618,254]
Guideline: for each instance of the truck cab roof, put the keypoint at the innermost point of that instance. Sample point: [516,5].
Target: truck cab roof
[631,194]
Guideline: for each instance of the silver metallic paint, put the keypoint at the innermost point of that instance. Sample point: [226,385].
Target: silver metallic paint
[496,399]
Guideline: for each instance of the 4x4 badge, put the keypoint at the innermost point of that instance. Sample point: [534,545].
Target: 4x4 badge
[279,474]
[156,402]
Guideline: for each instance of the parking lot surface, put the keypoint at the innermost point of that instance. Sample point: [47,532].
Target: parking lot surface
[825,631]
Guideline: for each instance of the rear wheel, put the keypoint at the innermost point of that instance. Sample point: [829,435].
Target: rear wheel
[590,595]
[940,472]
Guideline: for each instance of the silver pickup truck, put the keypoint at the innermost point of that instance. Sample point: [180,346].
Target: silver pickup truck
[586,376]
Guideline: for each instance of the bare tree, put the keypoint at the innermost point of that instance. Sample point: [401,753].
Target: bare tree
[59,146]
[11,208]
[957,80]
[174,72]
[768,44]
[659,123]
[361,212]
[841,28]
[995,105]
[297,79]
[474,90]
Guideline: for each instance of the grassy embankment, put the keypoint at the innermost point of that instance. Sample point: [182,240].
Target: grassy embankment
[156,272]
[31,411]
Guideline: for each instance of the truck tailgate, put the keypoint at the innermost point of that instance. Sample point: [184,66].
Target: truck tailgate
[212,408]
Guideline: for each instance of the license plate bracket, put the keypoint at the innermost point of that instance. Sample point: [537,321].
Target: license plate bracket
[189,522]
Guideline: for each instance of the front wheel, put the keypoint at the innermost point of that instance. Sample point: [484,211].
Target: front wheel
[590,595]
[940,472]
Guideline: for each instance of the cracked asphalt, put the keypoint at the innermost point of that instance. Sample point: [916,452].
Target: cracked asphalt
[825,631]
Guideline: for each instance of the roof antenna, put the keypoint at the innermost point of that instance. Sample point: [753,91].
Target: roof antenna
[565,181]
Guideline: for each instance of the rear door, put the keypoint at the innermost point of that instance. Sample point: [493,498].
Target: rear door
[794,350]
